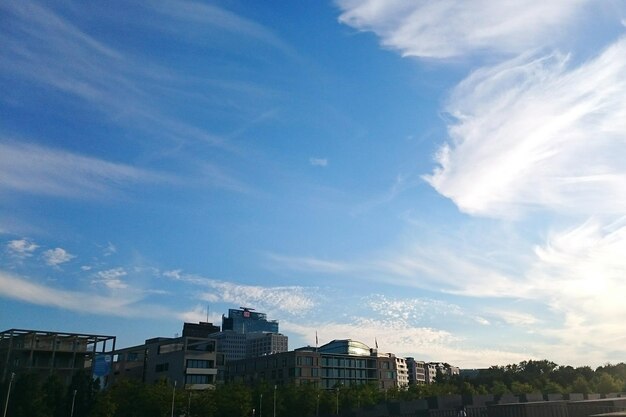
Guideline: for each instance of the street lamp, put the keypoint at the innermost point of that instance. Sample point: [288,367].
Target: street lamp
[6,404]
[261,406]
[337,389]
[73,400]
[173,396]
[317,407]
[274,400]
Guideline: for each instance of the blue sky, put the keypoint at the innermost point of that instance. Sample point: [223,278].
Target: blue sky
[446,178]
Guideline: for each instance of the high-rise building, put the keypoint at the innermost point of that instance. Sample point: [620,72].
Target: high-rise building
[247,333]
[246,320]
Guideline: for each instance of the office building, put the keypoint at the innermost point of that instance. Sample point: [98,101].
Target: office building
[191,362]
[340,362]
[246,320]
[201,329]
[46,353]
[416,371]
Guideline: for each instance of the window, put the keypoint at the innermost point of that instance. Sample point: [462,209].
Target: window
[170,347]
[200,363]
[162,367]
[198,379]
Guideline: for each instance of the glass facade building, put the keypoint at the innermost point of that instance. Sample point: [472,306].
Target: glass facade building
[246,320]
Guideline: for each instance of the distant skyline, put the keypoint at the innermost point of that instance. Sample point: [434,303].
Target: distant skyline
[447,178]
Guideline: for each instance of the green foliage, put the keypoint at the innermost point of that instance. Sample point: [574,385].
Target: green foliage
[35,397]
[606,383]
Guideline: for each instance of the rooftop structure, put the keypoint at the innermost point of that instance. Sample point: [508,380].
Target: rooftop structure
[47,352]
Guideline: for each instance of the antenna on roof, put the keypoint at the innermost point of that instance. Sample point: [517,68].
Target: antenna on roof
[208,306]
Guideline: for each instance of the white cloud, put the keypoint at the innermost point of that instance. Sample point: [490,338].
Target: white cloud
[57,256]
[580,274]
[451,28]
[516,318]
[22,289]
[286,299]
[309,264]
[111,278]
[41,170]
[22,248]
[413,310]
[110,249]
[530,133]
[318,162]
[404,339]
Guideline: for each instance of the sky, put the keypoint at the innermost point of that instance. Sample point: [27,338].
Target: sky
[446,179]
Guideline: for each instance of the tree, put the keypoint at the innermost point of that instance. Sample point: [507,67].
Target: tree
[606,383]
[580,385]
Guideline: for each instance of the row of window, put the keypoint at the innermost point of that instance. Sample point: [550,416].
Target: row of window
[200,363]
[348,362]
[199,379]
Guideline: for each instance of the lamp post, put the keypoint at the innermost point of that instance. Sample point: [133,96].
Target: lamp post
[337,389]
[317,407]
[274,400]
[261,406]
[73,401]
[173,396]
[6,404]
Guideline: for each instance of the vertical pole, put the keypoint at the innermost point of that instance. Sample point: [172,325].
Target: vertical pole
[261,406]
[6,404]
[337,400]
[173,396]
[274,400]
[189,405]
[73,400]
[317,407]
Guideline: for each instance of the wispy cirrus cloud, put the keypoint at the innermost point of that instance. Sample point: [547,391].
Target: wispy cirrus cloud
[533,133]
[215,16]
[124,305]
[452,28]
[318,162]
[42,170]
[57,256]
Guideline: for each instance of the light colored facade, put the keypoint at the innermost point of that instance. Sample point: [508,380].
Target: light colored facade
[402,372]
[263,343]
[443,368]
[416,371]
[235,346]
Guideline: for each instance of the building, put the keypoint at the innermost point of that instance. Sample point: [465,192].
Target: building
[402,372]
[201,329]
[433,369]
[416,371]
[237,346]
[247,333]
[192,362]
[46,353]
[246,320]
[340,362]
[263,343]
